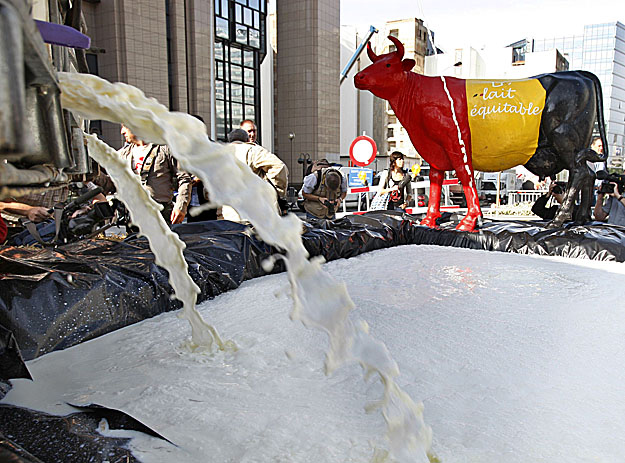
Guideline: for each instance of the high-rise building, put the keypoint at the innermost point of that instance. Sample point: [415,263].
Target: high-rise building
[600,50]
[308,67]
[202,57]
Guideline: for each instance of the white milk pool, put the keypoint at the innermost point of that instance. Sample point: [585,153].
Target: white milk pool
[517,359]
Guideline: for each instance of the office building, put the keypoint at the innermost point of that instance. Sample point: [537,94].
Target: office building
[202,57]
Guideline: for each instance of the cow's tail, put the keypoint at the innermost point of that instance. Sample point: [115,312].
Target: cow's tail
[600,116]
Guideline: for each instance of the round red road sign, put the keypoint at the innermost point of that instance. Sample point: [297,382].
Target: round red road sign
[363,150]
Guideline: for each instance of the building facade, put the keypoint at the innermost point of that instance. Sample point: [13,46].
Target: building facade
[307,84]
[202,57]
[160,47]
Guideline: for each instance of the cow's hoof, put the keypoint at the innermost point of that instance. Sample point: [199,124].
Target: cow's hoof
[467,224]
[429,222]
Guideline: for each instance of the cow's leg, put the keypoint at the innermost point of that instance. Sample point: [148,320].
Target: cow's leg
[434,204]
[565,210]
[580,180]
[474,212]
[582,215]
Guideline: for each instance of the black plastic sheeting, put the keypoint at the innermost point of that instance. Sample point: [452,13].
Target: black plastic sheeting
[55,298]
[52,299]
[30,436]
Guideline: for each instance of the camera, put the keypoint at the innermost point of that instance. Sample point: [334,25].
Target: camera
[557,190]
[330,206]
[606,186]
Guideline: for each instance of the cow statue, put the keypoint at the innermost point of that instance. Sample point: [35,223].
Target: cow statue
[544,123]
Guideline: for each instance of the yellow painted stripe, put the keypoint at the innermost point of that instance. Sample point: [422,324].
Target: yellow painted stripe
[504,118]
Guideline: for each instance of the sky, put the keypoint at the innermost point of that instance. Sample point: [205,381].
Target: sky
[486,22]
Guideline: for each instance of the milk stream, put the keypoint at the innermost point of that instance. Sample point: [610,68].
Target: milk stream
[319,301]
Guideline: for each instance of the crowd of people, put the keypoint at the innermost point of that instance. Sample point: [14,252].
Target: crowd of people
[160,174]
[324,188]
[608,200]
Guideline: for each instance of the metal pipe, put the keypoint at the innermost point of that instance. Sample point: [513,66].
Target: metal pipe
[350,64]
[38,175]
[12,93]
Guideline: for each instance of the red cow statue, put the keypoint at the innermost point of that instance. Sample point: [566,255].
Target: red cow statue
[544,123]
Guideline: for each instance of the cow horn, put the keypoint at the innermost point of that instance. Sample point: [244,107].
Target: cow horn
[372,56]
[399,45]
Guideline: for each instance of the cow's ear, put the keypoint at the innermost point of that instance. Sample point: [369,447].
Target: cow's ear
[408,64]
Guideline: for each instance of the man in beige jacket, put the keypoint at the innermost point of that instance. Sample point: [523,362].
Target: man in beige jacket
[263,163]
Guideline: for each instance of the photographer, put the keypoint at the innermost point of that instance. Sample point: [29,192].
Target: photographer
[613,211]
[556,191]
[323,192]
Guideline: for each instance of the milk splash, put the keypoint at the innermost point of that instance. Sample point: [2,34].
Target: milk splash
[319,301]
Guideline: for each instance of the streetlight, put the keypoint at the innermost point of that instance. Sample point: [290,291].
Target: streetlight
[304,160]
[291,137]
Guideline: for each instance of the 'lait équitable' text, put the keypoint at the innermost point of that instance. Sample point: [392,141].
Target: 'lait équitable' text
[499,107]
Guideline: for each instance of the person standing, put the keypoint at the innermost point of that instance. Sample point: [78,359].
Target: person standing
[263,163]
[396,181]
[597,146]
[160,175]
[252,131]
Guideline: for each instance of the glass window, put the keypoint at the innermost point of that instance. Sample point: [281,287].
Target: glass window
[247,17]
[235,55]
[237,112]
[92,63]
[221,117]
[248,58]
[221,28]
[219,51]
[219,90]
[250,113]
[254,38]
[249,95]
[241,34]
[249,76]
[236,73]
[239,13]
[236,92]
